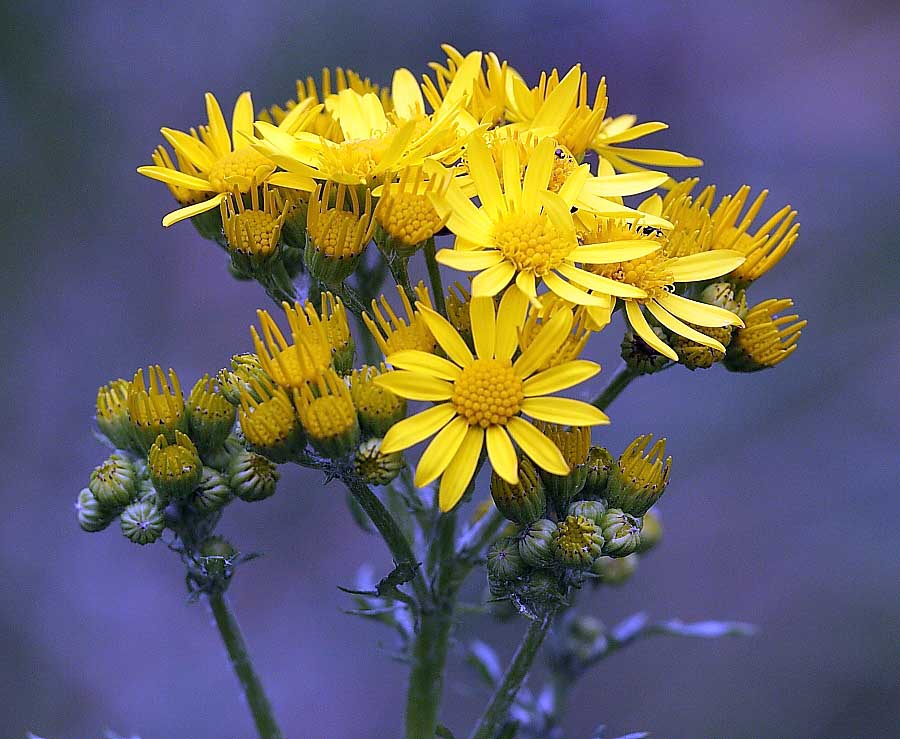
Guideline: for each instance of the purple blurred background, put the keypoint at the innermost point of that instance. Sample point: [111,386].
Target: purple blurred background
[784,509]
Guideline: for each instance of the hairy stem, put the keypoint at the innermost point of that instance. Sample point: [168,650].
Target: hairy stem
[236,647]
[505,693]
[434,277]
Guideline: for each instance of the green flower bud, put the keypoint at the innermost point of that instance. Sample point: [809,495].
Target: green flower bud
[91,515]
[343,357]
[639,356]
[113,483]
[699,356]
[610,571]
[599,463]
[579,638]
[378,408]
[212,493]
[504,561]
[142,523]
[577,542]
[651,531]
[245,375]
[175,469]
[592,510]
[293,232]
[524,502]
[621,533]
[112,413]
[251,476]
[723,295]
[219,457]
[146,493]
[216,558]
[540,593]
[639,479]
[575,443]
[536,543]
[210,415]
[373,466]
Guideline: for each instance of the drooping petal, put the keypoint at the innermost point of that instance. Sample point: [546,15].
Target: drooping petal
[502,454]
[600,316]
[679,327]
[614,251]
[510,317]
[410,431]
[560,377]
[657,157]
[569,292]
[484,326]
[699,313]
[526,283]
[642,328]
[439,453]
[542,451]
[190,148]
[192,210]
[600,283]
[174,177]
[706,265]
[564,411]
[459,472]
[469,260]
[424,362]
[550,337]
[635,132]
[415,385]
[493,280]
[619,185]
[447,336]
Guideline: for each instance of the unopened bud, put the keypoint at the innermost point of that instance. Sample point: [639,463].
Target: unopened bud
[640,357]
[640,476]
[91,515]
[615,571]
[536,543]
[504,561]
[114,482]
[524,502]
[575,443]
[373,466]
[651,531]
[592,510]
[142,523]
[175,468]
[252,477]
[577,542]
[212,493]
[621,533]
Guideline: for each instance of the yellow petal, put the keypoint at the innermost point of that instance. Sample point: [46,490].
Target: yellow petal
[550,337]
[537,175]
[447,336]
[192,210]
[189,147]
[502,454]
[525,283]
[510,316]
[600,316]
[560,377]
[541,450]
[673,324]
[492,280]
[419,361]
[706,265]
[410,431]
[218,132]
[699,313]
[642,328]
[614,251]
[174,177]
[560,103]
[293,180]
[658,157]
[463,218]
[602,284]
[459,472]
[473,260]
[406,95]
[440,451]
[620,185]
[571,293]
[564,411]
[484,174]
[484,326]
[415,385]
[635,132]
[242,118]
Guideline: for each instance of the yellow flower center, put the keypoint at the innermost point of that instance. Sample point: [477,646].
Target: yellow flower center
[328,417]
[334,233]
[296,365]
[270,423]
[408,217]
[650,273]
[358,157]
[414,336]
[577,536]
[532,243]
[255,231]
[487,393]
[244,163]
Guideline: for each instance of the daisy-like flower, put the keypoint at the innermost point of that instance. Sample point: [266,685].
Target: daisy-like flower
[656,275]
[212,160]
[526,233]
[624,129]
[482,398]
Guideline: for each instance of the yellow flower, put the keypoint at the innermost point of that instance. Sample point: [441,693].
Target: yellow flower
[623,129]
[253,231]
[523,231]
[378,409]
[393,333]
[157,409]
[268,421]
[292,365]
[328,415]
[405,212]
[215,161]
[482,397]
[337,236]
[765,341]
[574,343]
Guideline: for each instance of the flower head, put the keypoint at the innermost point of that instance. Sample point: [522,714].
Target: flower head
[328,415]
[393,333]
[482,397]
[292,365]
[405,212]
[157,409]
[640,477]
[270,424]
[337,235]
[254,231]
[765,341]
[112,412]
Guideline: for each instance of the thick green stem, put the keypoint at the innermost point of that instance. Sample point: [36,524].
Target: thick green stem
[243,667]
[434,277]
[505,693]
[619,382]
[390,531]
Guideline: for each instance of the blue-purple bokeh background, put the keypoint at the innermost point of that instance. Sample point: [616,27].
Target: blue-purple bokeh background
[784,509]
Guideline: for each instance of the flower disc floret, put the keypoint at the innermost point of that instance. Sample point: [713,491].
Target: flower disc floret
[241,166]
[532,242]
[488,393]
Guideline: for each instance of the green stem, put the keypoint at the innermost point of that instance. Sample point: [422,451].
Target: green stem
[243,667]
[399,267]
[434,277]
[619,382]
[505,693]
[393,535]
[429,654]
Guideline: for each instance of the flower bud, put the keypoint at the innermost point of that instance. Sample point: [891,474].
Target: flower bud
[251,476]
[210,415]
[175,469]
[328,416]
[373,466]
[458,301]
[157,409]
[294,230]
[253,233]
[640,357]
[212,492]
[639,479]
[651,531]
[336,238]
[723,295]
[337,328]
[524,502]
[694,355]
[245,368]
[504,561]
[539,594]
[377,407]
[621,533]
[615,571]
[219,457]
[765,341]
[592,510]
[142,523]
[91,515]
[146,493]
[599,464]
[216,558]
[575,443]
[536,543]
[270,424]
[114,482]
[112,413]
[577,542]
[406,218]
